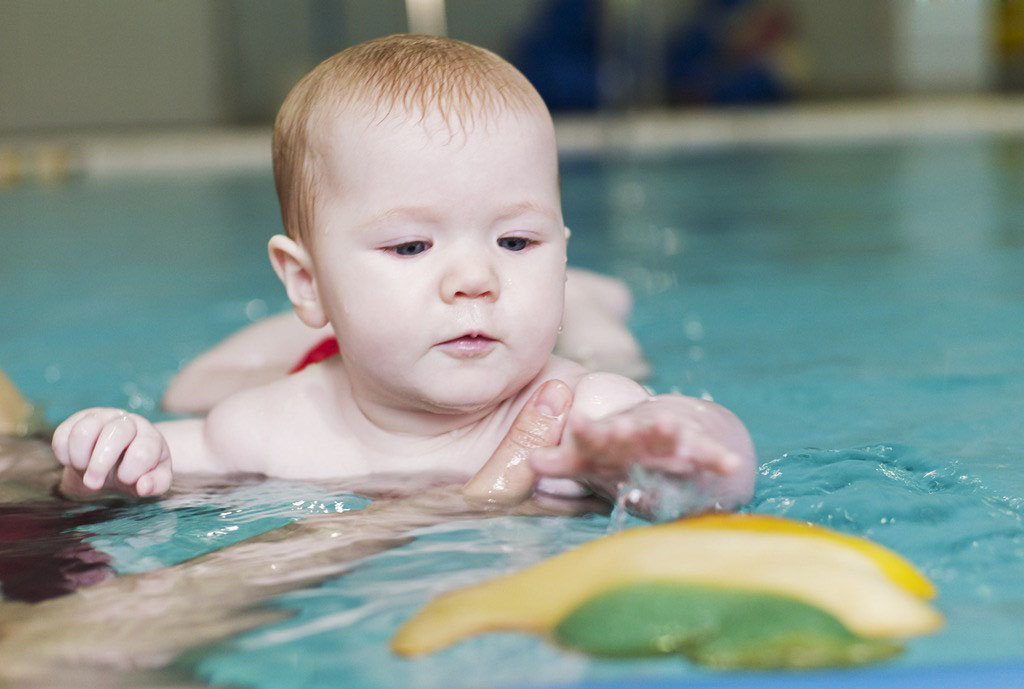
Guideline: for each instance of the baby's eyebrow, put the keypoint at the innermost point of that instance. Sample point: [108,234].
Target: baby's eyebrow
[428,215]
[420,214]
[522,208]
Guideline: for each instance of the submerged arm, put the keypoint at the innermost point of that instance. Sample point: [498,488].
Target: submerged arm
[251,356]
[216,595]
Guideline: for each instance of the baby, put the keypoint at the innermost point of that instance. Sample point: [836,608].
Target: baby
[418,182]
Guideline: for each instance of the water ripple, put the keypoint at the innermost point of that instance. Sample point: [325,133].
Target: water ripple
[966,535]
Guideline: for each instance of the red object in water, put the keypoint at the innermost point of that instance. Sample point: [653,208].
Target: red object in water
[324,349]
[42,553]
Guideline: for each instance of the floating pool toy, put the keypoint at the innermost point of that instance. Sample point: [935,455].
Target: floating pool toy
[729,591]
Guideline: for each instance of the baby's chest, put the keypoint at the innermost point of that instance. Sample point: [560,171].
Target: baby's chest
[462,455]
[311,454]
[337,452]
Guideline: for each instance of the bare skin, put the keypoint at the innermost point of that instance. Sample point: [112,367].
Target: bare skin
[206,599]
[447,307]
[594,334]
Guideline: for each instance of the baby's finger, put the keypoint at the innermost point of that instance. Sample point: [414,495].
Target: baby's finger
[557,462]
[710,455]
[155,482]
[143,454]
[662,436]
[113,440]
[61,435]
[607,444]
[624,443]
[82,439]
[589,437]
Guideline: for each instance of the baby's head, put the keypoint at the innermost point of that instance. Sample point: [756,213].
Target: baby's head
[440,81]
[418,180]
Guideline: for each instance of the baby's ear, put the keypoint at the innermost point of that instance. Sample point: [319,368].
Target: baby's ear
[294,268]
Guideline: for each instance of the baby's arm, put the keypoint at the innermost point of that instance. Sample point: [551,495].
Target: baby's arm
[614,424]
[256,354]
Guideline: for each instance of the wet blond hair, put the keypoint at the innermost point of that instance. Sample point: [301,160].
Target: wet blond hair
[403,72]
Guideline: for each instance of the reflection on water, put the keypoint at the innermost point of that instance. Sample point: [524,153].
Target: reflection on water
[43,555]
[301,603]
[186,595]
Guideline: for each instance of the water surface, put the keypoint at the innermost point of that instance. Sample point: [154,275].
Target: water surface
[861,308]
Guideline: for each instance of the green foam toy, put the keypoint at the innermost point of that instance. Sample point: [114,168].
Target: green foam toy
[716,627]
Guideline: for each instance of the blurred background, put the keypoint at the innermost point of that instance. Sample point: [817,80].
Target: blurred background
[105,65]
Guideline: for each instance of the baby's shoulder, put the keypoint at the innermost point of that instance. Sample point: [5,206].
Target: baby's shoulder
[599,393]
[565,370]
[258,427]
[592,390]
[576,376]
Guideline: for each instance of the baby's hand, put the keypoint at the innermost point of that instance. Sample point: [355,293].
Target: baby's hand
[111,449]
[687,442]
[658,440]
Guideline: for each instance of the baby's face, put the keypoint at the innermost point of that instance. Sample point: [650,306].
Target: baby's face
[440,257]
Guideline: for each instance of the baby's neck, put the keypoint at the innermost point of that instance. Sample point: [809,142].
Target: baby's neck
[380,421]
[408,421]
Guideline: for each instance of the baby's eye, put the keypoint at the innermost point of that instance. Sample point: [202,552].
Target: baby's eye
[409,248]
[515,243]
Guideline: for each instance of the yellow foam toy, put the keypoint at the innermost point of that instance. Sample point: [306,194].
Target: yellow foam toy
[870,591]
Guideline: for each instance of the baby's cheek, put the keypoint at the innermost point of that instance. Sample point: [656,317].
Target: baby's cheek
[537,339]
[538,308]
[373,338]
[380,314]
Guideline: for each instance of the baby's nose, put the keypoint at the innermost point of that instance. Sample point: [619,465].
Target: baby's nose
[471,277]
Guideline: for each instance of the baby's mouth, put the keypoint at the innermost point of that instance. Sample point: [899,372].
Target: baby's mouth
[468,346]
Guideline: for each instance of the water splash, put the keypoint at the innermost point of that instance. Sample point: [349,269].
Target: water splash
[659,496]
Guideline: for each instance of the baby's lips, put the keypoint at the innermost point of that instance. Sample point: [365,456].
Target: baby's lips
[472,335]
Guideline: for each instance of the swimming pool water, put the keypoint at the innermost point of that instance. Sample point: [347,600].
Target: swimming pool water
[861,308]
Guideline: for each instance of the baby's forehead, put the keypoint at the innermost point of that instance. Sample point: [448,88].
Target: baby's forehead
[365,115]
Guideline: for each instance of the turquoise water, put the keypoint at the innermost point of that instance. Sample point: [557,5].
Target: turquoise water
[861,308]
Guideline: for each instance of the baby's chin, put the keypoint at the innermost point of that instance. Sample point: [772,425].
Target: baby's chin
[464,404]
[461,398]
